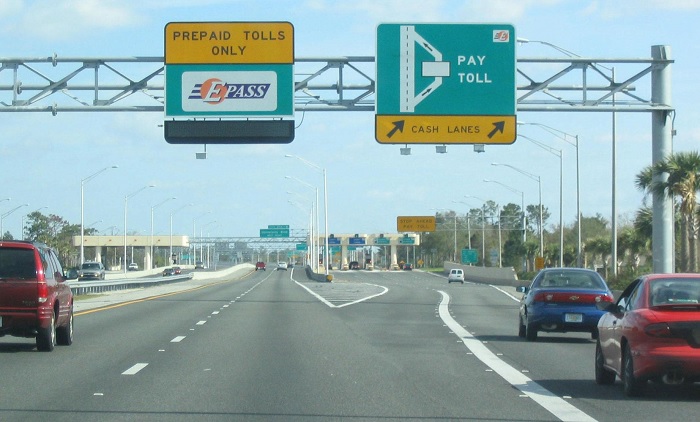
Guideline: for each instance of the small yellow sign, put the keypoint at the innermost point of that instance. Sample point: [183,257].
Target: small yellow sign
[442,129]
[229,43]
[539,263]
[415,224]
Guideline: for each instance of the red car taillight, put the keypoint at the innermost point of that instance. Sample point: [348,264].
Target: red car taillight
[42,292]
[658,330]
[572,297]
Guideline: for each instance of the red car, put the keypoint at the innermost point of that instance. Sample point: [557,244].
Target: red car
[651,333]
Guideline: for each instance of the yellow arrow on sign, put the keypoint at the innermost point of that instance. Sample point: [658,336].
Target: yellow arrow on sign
[442,129]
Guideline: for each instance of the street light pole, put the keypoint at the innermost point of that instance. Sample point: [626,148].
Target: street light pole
[314,239]
[454,254]
[539,184]
[522,212]
[326,252]
[194,235]
[565,137]
[82,209]
[126,205]
[483,227]
[558,153]
[170,256]
[150,259]
[2,217]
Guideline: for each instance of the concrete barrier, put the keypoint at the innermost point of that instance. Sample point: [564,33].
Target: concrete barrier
[505,276]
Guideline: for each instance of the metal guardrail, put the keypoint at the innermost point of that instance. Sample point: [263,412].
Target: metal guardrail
[90,287]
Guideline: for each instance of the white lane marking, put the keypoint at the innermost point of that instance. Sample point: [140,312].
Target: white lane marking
[545,398]
[215,313]
[322,299]
[177,339]
[505,293]
[135,369]
[201,322]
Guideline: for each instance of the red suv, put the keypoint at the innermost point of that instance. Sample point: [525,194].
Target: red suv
[35,300]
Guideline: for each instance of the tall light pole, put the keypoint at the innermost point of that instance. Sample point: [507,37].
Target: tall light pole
[469,230]
[126,207]
[309,248]
[194,235]
[170,256]
[201,235]
[483,227]
[522,212]
[2,217]
[539,184]
[454,255]
[150,260]
[82,209]
[314,239]
[558,153]
[326,252]
[565,137]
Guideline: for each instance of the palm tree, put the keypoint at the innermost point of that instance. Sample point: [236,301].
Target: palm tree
[683,169]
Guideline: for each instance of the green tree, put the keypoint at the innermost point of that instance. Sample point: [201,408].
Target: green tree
[53,231]
[683,181]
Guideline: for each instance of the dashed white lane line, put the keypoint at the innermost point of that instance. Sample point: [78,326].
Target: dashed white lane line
[177,339]
[201,322]
[135,369]
[545,398]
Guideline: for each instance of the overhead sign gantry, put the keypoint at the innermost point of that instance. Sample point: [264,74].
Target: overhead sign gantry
[445,84]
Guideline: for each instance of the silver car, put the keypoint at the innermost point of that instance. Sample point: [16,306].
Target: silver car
[91,271]
[456,275]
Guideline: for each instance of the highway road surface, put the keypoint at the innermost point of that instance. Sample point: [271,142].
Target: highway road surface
[274,346]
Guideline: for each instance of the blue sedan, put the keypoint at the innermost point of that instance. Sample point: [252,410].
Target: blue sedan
[562,300]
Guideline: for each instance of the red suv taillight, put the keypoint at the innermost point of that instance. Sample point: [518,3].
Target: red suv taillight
[42,292]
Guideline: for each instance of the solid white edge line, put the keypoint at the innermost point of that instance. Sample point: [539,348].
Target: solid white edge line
[135,369]
[545,398]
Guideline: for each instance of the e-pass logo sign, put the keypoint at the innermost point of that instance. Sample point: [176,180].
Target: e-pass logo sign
[229,91]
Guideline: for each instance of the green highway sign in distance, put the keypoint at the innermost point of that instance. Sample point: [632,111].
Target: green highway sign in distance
[469,256]
[278,226]
[446,83]
[274,232]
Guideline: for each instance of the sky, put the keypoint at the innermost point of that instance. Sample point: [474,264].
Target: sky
[239,189]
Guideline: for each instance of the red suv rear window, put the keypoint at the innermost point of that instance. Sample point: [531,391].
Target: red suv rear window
[17,263]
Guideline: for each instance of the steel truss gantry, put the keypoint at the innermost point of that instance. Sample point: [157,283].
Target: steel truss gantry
[345,83]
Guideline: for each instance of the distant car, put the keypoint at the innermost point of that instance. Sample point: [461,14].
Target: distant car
[177,270]
[260,266]
[91,271]
[133,267]
[456,275]
[199,265]
[168,271]
[407,267]
[562,300]
[652,333]
[354,265]
[35,301]
[281,266]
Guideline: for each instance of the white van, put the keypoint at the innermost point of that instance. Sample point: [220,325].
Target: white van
[456,275]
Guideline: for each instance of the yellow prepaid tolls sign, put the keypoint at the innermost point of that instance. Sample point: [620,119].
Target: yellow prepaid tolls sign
[229,43]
